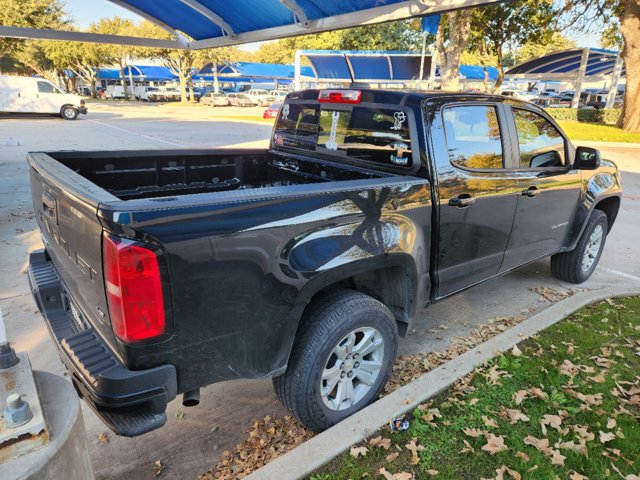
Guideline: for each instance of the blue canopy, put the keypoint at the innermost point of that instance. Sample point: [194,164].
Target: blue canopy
[567,64]
[214,23]
[256,70]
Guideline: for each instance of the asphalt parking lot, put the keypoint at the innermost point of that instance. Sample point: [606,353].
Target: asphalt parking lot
[191,443]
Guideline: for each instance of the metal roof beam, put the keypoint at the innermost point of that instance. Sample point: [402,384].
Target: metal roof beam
[211,15]
[299,13]
[370,16]
[38,34]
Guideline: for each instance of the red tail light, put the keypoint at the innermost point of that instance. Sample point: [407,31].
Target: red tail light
[134,289]
[340,96]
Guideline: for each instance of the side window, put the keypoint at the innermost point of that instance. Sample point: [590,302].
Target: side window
[473,136]
[46,87]
[541,145]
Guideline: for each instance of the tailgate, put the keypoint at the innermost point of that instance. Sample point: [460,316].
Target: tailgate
[65,206]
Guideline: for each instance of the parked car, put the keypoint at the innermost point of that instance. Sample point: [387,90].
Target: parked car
[240,100]
[261,97]
[149,94]
[116,92]
[278,95]
[272,111]
[516,93]
[84,91]
[37,95]
[101,92]
[215,99]
[171,94]
[167,270]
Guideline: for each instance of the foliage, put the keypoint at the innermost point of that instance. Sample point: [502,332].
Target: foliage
[539,47]
[563,405]
[451,41]
[588,115]
[31,14]
[496,26]
[119,54]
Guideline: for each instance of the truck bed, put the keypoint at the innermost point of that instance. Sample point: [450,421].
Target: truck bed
[139,175]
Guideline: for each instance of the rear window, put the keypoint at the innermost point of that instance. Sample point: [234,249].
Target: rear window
[369,134]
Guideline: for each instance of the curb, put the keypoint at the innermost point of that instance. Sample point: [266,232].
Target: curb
[314,453]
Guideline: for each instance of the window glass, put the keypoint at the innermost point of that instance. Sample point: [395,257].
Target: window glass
[473,136]
[297,126]
[541,145]
[46,87]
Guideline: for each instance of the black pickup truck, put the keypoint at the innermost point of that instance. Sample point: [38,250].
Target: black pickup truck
[164,271]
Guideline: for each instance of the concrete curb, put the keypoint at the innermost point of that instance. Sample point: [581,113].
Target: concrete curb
[314,453]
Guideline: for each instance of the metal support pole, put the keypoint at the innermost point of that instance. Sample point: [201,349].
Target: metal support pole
[615,80]
[296,71]
[581,73]
[424,49]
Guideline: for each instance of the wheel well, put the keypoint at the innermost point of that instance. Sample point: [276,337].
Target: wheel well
[610,207]
[392,286]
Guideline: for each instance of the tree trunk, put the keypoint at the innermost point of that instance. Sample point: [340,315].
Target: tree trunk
[216,85]
[93,86]
[500,79]
[459,30]
[183,89]
[630,29]
[123,81]
[192,96]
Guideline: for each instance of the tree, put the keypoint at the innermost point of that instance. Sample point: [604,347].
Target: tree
[451,41]
[495,26]
[32,55]
[536,47]
[28,13]
[217,57]
[119,54]
[585,14]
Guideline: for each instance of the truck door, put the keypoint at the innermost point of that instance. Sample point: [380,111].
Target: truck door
[48,98]
[549,187]
[477,195]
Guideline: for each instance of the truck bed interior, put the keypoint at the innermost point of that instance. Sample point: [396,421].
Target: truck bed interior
[134,175]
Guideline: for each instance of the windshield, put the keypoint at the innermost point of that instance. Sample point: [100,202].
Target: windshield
[369,134]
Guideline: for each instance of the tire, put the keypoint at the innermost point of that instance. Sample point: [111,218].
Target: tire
[68,112]
[577,265]
[333,322]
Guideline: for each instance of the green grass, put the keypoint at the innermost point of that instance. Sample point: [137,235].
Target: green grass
[596,132]
[605,333]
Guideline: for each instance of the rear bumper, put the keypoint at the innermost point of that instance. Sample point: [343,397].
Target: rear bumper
[129,402]
[83,110]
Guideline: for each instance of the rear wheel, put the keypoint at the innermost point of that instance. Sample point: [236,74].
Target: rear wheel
[69,113]
[341,361]
[577,265]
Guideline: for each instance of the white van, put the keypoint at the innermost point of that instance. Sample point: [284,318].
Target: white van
[37,95]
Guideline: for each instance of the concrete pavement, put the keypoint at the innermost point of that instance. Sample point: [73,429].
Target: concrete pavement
[189,445]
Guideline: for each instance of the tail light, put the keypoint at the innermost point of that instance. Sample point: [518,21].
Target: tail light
[340,96]
[134,289]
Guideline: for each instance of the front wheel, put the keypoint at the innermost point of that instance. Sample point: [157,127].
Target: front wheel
[577,265]
[69,113]
[341,360]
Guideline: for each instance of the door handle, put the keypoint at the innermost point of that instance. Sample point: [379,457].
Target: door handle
[462,201]
[531,191]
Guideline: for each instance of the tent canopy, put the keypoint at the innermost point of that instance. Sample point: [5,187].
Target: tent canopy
[215,23]
[256,70]
[566,65]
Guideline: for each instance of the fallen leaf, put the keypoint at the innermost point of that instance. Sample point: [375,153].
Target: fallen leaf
[103,437]
[542,444]
[432,472]
[473,401]
[606,437]
[554,421]
[380,442]
[395,476]
[577,476]
[414,449]
[392,457]
[157,468]
[580,448]
[515,351]
[468,447]
[356,452]
[515,416]
[611,423]
[557,458]
[512,473]
[523,456]
[495,444]
[489,422]
[474,432]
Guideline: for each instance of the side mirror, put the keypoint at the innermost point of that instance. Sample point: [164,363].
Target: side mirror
[587,158]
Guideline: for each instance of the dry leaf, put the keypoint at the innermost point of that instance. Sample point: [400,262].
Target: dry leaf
[392,457]
[355,452]
[515,351]
[103,437]
[495,444]
[611,423]
[432,472]
[516,416]
[468,447]
[395,476]
[474,432]
[577,476]
[380,442]
[512,473]
[414,449]
[473,401]
[580,448]
[542,444]
[523,456]
[554,421]
[606,437]
[489,422]
[557,458]
[157,468]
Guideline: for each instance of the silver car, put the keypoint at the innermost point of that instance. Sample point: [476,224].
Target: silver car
[215,99]
[240,100]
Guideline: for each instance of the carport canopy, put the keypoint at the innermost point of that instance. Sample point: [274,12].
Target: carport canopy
[197,24]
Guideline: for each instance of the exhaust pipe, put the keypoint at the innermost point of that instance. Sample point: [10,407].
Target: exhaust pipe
[191,398]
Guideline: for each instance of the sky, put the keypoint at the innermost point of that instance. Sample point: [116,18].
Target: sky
[84,12]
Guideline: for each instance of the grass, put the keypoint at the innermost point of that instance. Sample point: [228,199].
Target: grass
[595,132]
[602,344]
